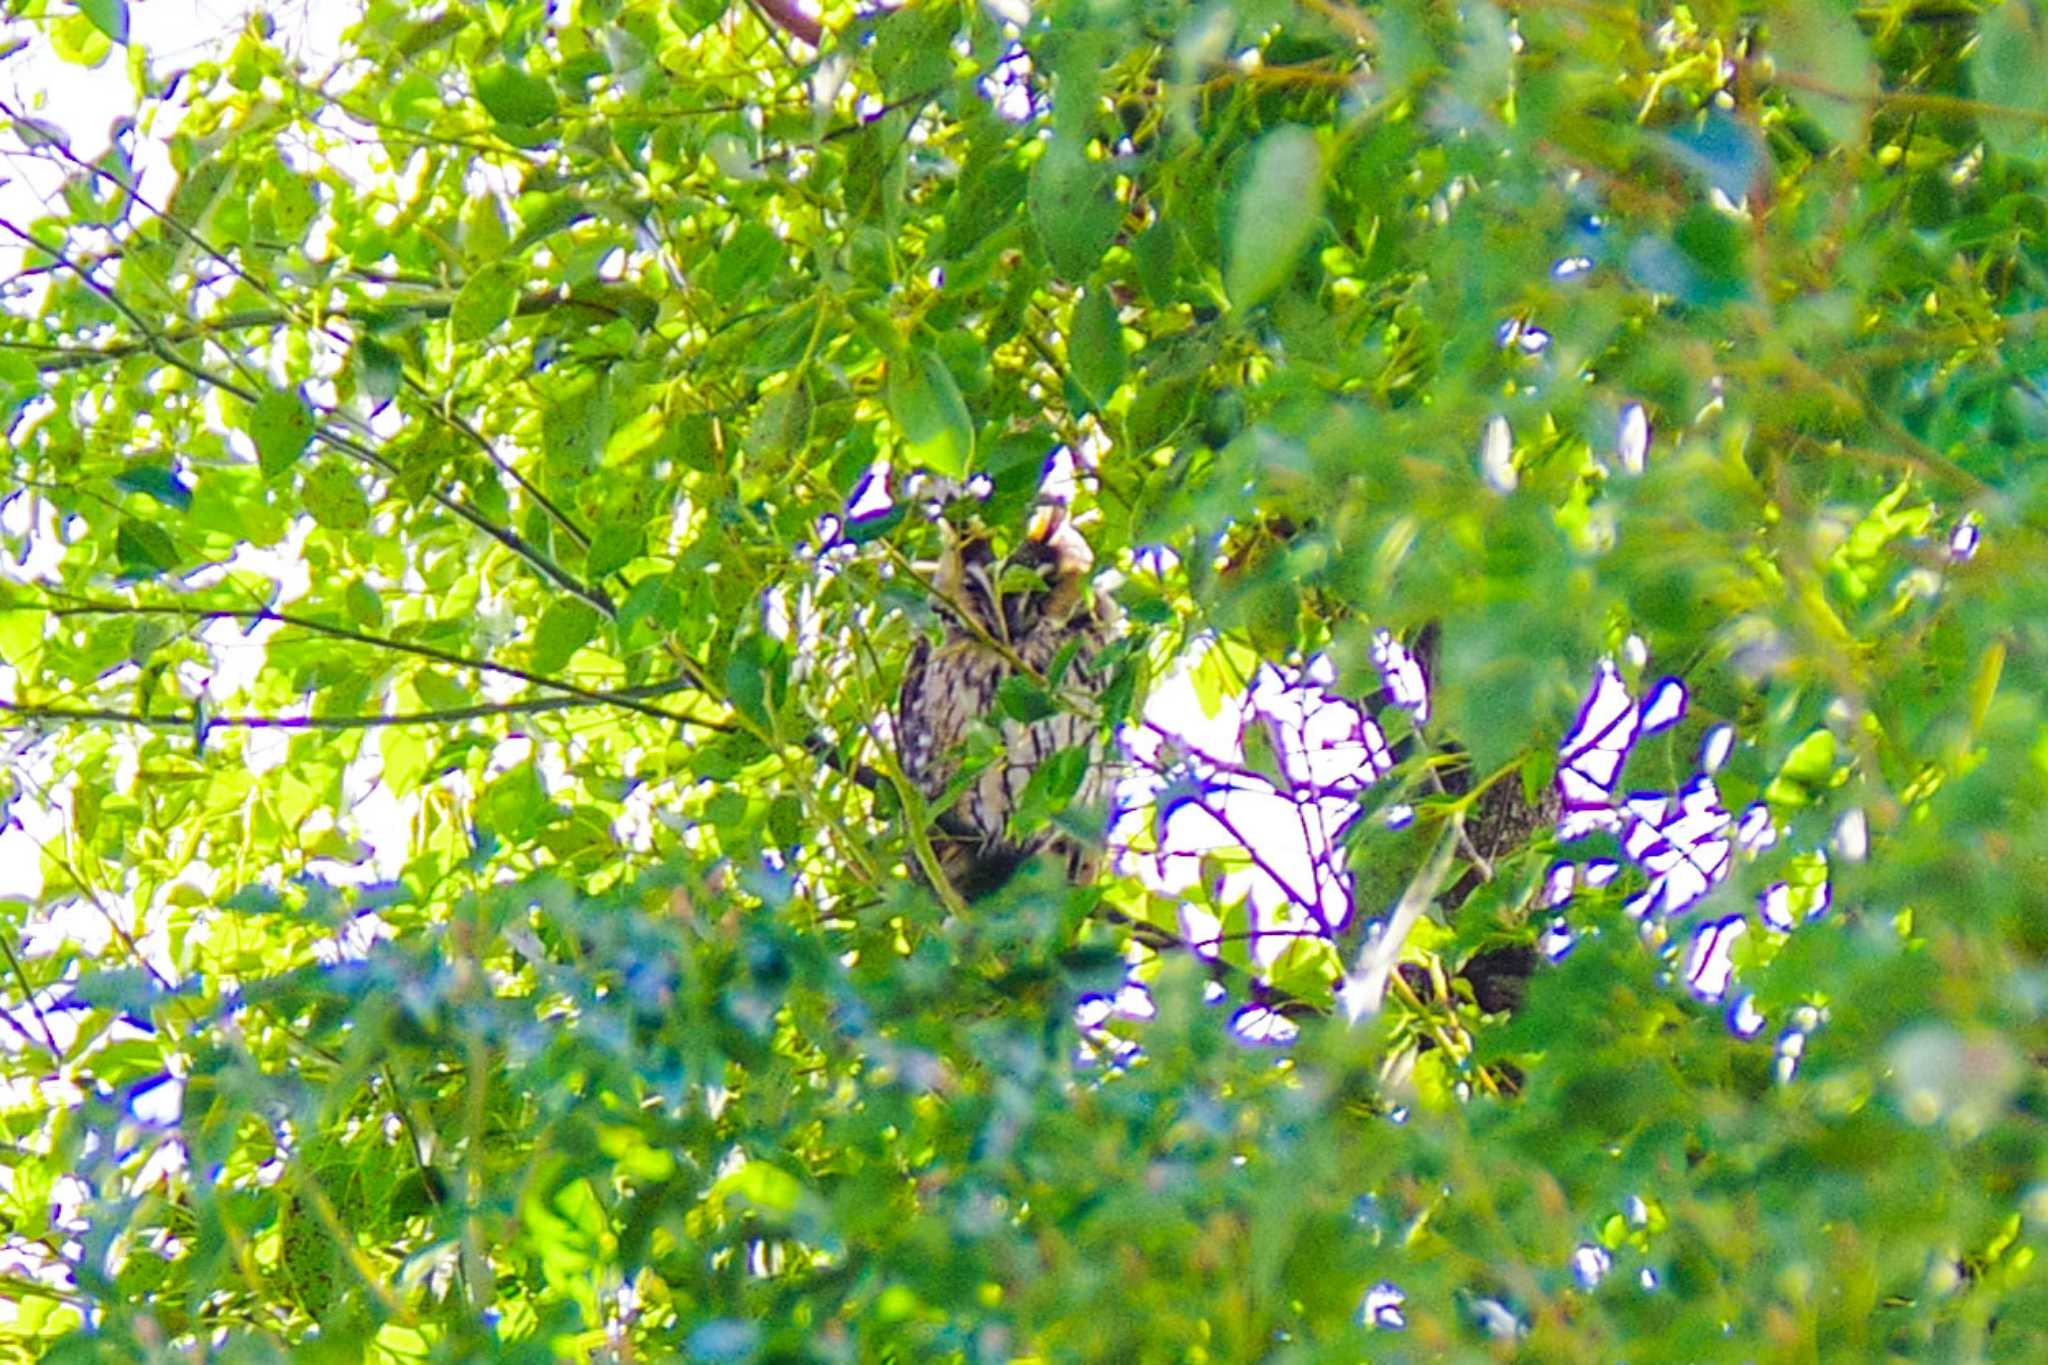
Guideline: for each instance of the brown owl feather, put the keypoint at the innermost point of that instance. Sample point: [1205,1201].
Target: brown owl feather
[951,685]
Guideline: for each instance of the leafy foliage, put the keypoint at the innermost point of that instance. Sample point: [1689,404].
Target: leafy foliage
[448,608]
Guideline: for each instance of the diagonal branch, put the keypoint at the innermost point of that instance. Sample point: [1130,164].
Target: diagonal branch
[511,540]
[198,721]
[258,615]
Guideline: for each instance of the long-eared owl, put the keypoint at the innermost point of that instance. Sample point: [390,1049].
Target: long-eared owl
[997,619]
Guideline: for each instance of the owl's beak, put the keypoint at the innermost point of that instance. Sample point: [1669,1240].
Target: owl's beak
[1046,520]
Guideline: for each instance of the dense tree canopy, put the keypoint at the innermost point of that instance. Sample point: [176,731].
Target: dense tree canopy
[1565,475]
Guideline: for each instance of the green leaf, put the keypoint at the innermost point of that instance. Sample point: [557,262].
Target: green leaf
[1154,252]
[784,422]
[108,16]
[613,547]
[767,1188]
[21,634]
[1806,771]
[513,96]
[381,370]
[930,414]
[439,692]
[565,627]
[486,301]
[365,607]
[156,481]
[1073,209]
[334,497]
[750,677]
[1051,789]
[280,425]
[1095,346]
[727,809]
[514,805]
[1824,58]
[745,263]
[1023,700]
[1279,211]
[786,820]
[77,39]
[144,549]
[2009,68]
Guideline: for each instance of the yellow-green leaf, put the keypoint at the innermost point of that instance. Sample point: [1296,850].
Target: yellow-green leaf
[513,96]
[334,498]
[280,425]
[487,301]
[564,628]
[930,413]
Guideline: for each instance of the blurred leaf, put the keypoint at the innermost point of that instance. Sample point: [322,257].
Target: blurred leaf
[514,96]
[1824,57]
[2006,69]
[382,369]
[1072,209]
[1279,211]
[144,549]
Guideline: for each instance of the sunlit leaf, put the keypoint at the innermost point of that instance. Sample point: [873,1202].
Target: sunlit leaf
[281,424]
[486,301]
[514,96]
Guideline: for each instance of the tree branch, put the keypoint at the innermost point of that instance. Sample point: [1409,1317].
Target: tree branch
[453,660]
[195,720]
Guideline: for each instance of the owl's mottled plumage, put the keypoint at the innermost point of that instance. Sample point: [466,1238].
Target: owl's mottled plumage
[950,686]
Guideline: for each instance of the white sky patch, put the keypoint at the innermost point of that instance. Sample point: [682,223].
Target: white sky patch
[32,521]
[1666,705]
[1963,541]
[1709,964]
[1403,673]
[1497,455]
[1632,439]
[1261,1024]
[1756,831]
[1791,1047]
[1774,907]
[1715,747]
[1557,939]
[1852,835]
[1557,884]
[1381,1307]
[1061,478]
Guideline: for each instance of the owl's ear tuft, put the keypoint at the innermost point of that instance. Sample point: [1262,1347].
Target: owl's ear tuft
[1052,527]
